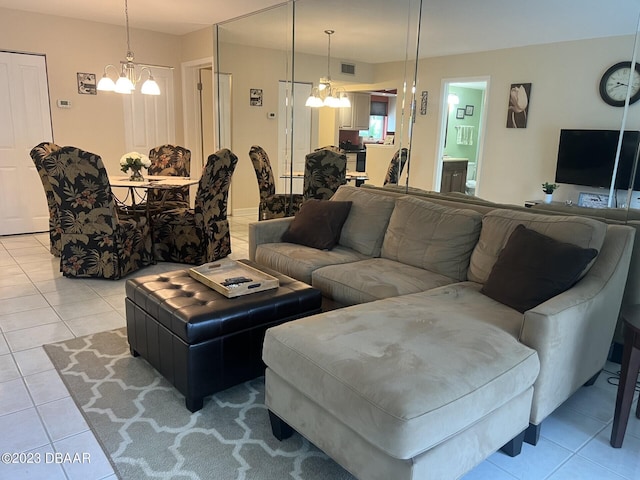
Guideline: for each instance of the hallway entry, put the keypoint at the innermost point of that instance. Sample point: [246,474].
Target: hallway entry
[462,132]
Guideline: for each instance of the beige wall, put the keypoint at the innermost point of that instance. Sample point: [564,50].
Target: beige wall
[564,94]
[197,45]
[95,122]
[252,68]
[514,162]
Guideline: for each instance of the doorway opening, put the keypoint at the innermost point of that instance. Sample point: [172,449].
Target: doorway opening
[192,75]
[204,132]
[463,116]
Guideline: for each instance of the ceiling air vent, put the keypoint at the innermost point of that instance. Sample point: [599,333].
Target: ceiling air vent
[348,68]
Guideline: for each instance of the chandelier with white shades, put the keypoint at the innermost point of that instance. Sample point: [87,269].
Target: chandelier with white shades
[130,73]
[325,94]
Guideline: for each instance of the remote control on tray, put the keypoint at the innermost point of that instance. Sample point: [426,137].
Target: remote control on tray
[235,281]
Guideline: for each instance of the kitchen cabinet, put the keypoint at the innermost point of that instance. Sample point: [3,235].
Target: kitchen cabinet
[356,160]
[454,175]
[352,161]
[356,117]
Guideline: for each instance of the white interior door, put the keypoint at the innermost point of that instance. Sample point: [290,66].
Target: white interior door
[25,121]
[207,122]
[295,148]
[149,119]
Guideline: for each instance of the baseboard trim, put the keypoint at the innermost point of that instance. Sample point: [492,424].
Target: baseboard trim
[245,212]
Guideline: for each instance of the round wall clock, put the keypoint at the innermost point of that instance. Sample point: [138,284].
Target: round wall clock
[613,85]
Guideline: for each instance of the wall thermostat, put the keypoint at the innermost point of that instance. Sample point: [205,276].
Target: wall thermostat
[64,103]
[271,115]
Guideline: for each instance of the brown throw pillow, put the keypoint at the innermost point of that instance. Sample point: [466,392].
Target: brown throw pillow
[532,268]
[318,224]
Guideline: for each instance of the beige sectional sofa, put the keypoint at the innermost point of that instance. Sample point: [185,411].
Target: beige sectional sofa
[615,216]
[612,216]
[421,375]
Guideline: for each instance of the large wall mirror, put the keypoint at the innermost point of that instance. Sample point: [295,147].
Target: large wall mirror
[253,60]
[505,81]
[274,60]
[493,87]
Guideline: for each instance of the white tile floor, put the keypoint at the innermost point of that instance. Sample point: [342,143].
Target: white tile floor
[39,306]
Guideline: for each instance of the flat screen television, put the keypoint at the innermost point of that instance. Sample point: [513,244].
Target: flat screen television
[587,157]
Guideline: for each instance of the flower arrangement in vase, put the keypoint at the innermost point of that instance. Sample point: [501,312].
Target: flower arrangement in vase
[134,161]
[548,189]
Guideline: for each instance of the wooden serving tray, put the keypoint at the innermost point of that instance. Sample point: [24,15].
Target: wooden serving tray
[216,275]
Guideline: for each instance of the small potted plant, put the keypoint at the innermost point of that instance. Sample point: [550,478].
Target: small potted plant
[548,189]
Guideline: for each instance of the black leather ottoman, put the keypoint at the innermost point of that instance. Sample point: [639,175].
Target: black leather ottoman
[202,341]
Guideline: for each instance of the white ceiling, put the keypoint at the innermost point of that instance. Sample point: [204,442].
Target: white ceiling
[371,30]
[176,17]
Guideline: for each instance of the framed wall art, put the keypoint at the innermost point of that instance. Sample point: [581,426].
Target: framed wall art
[255,97]
[423,103]
[460,113]
[518,111]
[87,83]
[593,200]
[468,111]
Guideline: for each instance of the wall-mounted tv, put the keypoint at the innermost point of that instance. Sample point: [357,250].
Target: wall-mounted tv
[586,157]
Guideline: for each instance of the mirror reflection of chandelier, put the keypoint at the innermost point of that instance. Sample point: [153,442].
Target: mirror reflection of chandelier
[128,77]
[325,94]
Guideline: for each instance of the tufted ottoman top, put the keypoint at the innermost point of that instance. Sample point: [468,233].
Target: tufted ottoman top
[195,312]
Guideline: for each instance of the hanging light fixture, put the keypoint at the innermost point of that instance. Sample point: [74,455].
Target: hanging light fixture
[128,77]
[325,94]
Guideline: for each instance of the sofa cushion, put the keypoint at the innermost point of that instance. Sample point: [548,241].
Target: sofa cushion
[407,372]
[532,268]
[373,279]
[364,229]
[430,236]
[298,261]
[498,225]
[318,224]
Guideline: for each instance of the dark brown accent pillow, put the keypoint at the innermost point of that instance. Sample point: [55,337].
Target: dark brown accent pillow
[532,268]
[318,224]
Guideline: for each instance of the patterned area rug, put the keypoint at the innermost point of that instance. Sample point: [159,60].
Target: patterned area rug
[143,425]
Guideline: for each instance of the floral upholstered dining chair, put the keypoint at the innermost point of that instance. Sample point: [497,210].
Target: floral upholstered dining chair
[94,241]
[170,160]
[324,171]
[199,235]
[272,204]
[38,153]
[395,166]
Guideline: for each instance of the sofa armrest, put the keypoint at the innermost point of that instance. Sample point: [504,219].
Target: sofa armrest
[266,231]
[572,331]
[632,290]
